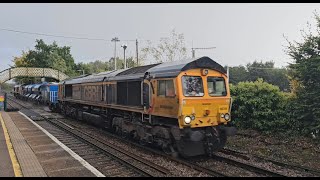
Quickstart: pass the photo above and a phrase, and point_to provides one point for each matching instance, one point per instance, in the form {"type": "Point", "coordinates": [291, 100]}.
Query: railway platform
{"type": "Point", "coordinates": [27, 150]}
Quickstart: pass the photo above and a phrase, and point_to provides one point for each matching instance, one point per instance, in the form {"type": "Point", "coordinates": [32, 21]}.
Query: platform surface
{"type": "Point", "coordinates": [6, 168]}
{"type": "Point", "coordinates": [36, 153]}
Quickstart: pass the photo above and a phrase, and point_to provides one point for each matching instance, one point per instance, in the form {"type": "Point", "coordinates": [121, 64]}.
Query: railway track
{"type": "Point", "coordinates": [246, 166]}
{"type": "Point", "coordinates": [195, 164]}
{"type": "Point", "coordinates": [81, 133]}
{"type": "Point", "coordinates": [103, 156]}
{"type": "Point", "coordinates": [191, 165]}
{"type": "Point", "coordinates": [245, 156]}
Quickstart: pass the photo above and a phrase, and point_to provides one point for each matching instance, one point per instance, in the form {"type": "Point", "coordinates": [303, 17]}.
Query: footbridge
{"type": "Point", "coordinates": [11, 73]}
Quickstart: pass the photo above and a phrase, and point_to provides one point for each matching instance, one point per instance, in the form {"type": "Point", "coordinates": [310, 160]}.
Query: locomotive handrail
{"type": "Point", "coordinates": [11, 73]}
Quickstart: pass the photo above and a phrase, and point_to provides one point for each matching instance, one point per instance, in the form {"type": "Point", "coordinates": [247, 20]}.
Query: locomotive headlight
{"type": "Point", "coordinates": [187, 120]}
{"type": "Point", "coordinates": [227, 116]}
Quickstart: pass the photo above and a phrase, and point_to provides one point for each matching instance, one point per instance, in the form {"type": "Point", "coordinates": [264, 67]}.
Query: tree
{"type": "Point", "coordinates": [20, 61]}
{"type": "Point", "coordinates": [256, 70]}
{"type": "Point", "coordinates": [47, 56]}
{"type": "Point", "coordinates": [6, 87]}
{"type": "Point", "coordinates": [305, 79]}
{"type": "Point", "coordinates": [168, 50]}
{"type": "Point", "coordinates": [238, 74]}
{"type": "Point", "coordinates": [270, 74]}
{"type": "Point", "coordinates": [100, 66]}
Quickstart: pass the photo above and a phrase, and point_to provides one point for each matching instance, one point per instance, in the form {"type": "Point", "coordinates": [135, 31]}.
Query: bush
{"type": "Point", "coordinates": [260, 106]}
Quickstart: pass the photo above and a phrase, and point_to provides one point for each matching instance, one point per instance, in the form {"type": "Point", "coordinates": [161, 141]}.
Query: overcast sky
{"type": "Point", "coordinates": [241, 33]}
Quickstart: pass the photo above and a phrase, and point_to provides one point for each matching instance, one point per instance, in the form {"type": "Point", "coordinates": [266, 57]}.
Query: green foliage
{"type": "Point", "coordinates": [259, 105]}
{"type": "Point", "coordinates": [100, 66]}
{"type": "Point", "coordinates": [238, 74]}
{"type": "Point", "coordinates": [266, 71]}
{"type": "Point", "coordinates": [46, 56]}
{"type": "Point", "coordinates": [6, 87]}
{"type": "Point", "coordinates": [305, 70]}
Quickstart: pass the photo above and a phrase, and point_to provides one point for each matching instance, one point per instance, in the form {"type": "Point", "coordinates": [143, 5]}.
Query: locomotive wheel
{"type": "Point", "coordinates": [134, 135]}
{"type": "Point", "coordinates": [125, 134]}
{"type": "Point", "coordinates": [166, 149]}
{"type": "Point", "coordinates": [142, 142]}
{"type": "Point", "coordinates": [215, 140]}
{"type": "Point", "coordinates": [169, 150]}
{"type": "Point", "coordinates": [118, 131]}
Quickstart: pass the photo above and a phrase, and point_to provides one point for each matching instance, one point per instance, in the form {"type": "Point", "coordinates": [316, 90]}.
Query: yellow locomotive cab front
{"type": "Point", "coordinates": [204, 111]}
{"type": "Point", "coordinates": [204, 98]}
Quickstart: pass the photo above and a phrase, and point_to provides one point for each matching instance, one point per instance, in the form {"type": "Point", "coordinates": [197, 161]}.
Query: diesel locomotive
{"type": "Point", "coordinates": [182, 107]}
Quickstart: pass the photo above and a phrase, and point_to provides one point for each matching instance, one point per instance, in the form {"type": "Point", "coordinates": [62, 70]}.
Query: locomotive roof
{"type": "Point", "coordinates": [168, 69]}
{"type": "Point", "coordinates": [39, 85]}
{"type": "Point", "coordinates": [93, 77]}
{"type": "Point", "coordinates": [132, 73]}
{"type": "Point", "coordinates": [172, 69]}
{"type": "Point", "coordinates": [30, 86]}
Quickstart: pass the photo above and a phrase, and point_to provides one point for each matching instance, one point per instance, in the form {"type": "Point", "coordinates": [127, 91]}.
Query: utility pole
{"type": "Point", "coordinates": [115, 40]}
{"type": "Point", "coordinates": [137, 52]}
{"type": "Point", "coordinates": [228, 75]}
{"type": "Point", "coordinates": [194, 52]}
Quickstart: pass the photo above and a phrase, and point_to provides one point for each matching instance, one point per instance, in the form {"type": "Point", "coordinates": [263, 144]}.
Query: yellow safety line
{"type": "Point", "coordinates": [15, 163]}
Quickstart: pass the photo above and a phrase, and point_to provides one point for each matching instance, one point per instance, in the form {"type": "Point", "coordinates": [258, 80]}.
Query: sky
{"type": "Point", "coordinates": [241, 33]}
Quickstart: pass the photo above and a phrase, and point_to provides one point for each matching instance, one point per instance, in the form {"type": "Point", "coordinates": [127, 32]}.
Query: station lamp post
{"type": "Point", "coordinates": [115, 40]}
{"type": "Point", "coordinates": [124, 54]}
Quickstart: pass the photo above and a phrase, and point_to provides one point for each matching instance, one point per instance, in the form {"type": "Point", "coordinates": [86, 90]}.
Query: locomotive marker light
{"type": "Point", "coordinates": [227, 116]}
{"type": "Point", "coordinates": [187, 120]}
{"type": "Point", "coordinates": [204, 72]}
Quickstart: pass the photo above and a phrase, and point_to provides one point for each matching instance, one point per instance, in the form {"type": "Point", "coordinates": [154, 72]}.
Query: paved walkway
{"type": "Point", "coordinates": [28, 161]}
{"type": "Point", "coordinates": [36, 153]}
{"type": "Point", "coordinates": [6, 168]}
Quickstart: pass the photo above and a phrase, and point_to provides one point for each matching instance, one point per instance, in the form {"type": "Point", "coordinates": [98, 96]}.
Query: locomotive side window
{"type": "Point", "coordinates": [161, 88]}
{"type": "Point", "coordinates": [216, 86]}
{"type": "Point", "coordinates": [170, 89]}
{"type": "Point", "coordinates": [192, 86]}
{"type": "Point", "coordinates": [166, 88]}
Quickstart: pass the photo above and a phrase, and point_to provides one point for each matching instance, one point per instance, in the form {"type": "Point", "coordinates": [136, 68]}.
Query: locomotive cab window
{"type": "Point", "coordinates": [166, 88]}
{"type": "Point", "coordinates": [216, 86]}
{"type": "Point", "coordinates": [192, 86]}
